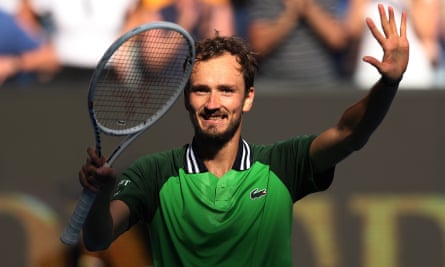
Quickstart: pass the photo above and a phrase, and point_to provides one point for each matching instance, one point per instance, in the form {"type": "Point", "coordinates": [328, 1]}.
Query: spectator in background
{"type": "Point", "coordinates": [422, 29]}
{"type": "Point", "coordinates": [216, 15]}
{"type": "Point", "coordinates": [24, 58]}
{"type": "Point", "coordinates": [24, 17]}
{"type": "Point", "coordinates": [81, 31]}
{"type": "Point", "coordinates": [298, 40]}
{"type": "Point", "coordinates": [199, 17]}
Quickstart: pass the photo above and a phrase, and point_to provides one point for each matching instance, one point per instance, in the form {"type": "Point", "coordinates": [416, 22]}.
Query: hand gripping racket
{"type": "Point", "coordinates": [135, 83]}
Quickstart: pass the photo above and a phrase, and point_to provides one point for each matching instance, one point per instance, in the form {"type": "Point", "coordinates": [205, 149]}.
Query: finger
{"type": "Point", "coordinates": [86, 182]}
{"type": "Point", "coordinates": [92, 154]}
{"type": "Point", "coordinates": [375, 31]}
{"type": "Point", "coordinates": [105, 171]}
{"type": "Point", "coordinates": [392, 27]}
{"type": "Point", "coordinates": [383, 18]}
{"type": "Point", "coordinates": [373, 61]}
{"type": "Point", "coordinates": [403, 24]}
{"type": "Point", "coordinates": [94, 157]}
{"type": "Point", "coordinates": [93, 184]}
{"type": "Point", "coordinates": [82, 178]}
{"type": "Point", "coordinates": [89, 168]}
{"type": "Point", "coordinates": [91, 176]}
{"type": "Point", "coordinates": [102, 183]}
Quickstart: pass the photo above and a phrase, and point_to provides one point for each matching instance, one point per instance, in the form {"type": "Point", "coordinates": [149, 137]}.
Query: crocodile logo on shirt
{"type": "Point", "coordinates": [256, 193]}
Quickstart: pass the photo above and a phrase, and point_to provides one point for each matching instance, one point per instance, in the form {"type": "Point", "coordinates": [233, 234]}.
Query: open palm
{"type": "Point", "coordinates": [394, 43]}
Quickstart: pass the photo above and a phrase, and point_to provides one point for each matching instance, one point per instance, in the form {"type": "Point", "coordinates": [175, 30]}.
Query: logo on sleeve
{"type": "Point", "coordinates": [256, 193]}
{"type": "Point", "coordinates": [120, 186]}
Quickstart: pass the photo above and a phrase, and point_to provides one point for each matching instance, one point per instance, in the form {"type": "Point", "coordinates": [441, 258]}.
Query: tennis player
{"type": "Point", "coordinates": [221, 201]}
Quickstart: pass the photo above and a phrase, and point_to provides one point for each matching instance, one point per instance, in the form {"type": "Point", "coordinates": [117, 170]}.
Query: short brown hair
{"type": "Point", "coordinates": [213, 47]}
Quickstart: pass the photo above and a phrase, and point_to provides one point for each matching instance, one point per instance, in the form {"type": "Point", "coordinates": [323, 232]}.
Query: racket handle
{"type": "Point", "coordinates": [71, 233]}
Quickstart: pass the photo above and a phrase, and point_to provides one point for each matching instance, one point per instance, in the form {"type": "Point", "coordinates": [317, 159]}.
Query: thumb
{"type": "Point", "coordinates": [373, 61]}
{"type": "Point", "coordinates": [106, 170]}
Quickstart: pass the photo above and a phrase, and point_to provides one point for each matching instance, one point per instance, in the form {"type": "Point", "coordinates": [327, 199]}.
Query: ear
{"type": "Point", "coordinates": [248, 101]}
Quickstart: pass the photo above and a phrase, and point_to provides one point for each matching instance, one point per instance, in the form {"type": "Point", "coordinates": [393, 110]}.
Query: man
{"type": "Point", "coordinates": [221, 201]}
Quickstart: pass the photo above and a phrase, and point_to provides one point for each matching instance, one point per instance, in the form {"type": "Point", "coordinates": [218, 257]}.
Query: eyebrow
{"type": "Point", "coordinates": [199, 87]}
{"type": "Point", "coordinates": [219, 87]}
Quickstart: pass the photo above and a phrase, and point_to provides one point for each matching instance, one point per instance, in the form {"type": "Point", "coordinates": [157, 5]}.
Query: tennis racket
{"type": "Point", "coordinates": [138, 79]}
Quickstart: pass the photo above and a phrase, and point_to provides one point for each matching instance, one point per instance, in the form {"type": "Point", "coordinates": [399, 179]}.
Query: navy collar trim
{"type": "Point", "coordinates": [243, 161]}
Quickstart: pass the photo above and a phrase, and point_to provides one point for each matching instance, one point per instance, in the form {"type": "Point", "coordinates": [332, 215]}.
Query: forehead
{"type": "Point", "coordinates": [220, 66]}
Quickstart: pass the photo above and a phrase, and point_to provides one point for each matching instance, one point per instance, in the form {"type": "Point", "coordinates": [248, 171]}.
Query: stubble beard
{"type": "Point", "coordinates": [212, 137]}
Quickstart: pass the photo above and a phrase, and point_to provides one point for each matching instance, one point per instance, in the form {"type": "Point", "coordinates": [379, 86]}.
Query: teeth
{"type": "Point", "coordinates": [213, 117]}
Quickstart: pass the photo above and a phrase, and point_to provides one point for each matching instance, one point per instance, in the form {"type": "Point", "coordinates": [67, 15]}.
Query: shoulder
{"type": "Point", "coordinates": [172, 156]}
{"type": "Point", "coordinates": [155, 168]}
{"type": "Point", "coordinates": [285, 153]}
{"type": "Point", "coordinates": [160, 163]}
{"type": "Point", "coordinates": [295, 143]}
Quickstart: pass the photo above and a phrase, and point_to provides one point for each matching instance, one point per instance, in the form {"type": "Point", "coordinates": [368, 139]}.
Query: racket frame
{"type": "Point", "coordinates": [71, 234]}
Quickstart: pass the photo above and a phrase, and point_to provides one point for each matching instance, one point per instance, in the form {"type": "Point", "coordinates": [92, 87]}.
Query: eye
{"type": "Point", "coordinates": [199, 89]}
{"type": "Point", "coordinates": [226, 90]}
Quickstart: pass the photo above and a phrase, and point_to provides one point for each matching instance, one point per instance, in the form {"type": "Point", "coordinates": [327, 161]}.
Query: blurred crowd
{"type": "Point", "coordinates": [312, 43]}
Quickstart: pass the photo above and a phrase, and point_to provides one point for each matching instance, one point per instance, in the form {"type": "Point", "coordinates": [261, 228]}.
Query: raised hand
{"type": "Point", "coordinates": [394, 43]}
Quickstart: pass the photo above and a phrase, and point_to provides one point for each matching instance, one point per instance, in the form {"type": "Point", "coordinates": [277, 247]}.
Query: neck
{"type": "Point", "coordinates": [218, 158]}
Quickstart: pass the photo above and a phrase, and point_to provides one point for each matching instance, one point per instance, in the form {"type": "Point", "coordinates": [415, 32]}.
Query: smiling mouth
{"type": "Point", "coordinates": [213, 116]}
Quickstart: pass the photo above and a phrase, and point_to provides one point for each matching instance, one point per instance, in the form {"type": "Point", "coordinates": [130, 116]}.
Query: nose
{"type": "Point", "coordinates": [213, 101]}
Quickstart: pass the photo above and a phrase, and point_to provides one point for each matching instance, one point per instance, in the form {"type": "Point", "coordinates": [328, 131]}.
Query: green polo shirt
{"type": "Point", "coordinates": [243, 218]}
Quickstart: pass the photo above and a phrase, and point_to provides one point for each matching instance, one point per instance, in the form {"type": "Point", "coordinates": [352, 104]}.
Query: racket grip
{"type": "Point", "coordinates": [71, 233]}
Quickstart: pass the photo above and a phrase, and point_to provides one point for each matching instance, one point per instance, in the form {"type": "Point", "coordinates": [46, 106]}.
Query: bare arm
{"type": "Point", "coordinates": [41, 61]}
{"type": "Point", "coordinates": [327, 26]}
{"type": "Point", "coordinates": [107, 219]}
{"type": "Point", "coordinates": [353, 20]}
{"type": "Point", "coordinates": [223, 20]}
{"type": "Point", "coordinates": [265, 35]}
{"type": "Point", "coordinates": [360, 120]}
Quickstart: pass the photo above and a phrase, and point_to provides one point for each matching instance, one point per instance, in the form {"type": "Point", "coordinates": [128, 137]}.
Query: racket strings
{"type": "Point", "coordinates": [142, 76]}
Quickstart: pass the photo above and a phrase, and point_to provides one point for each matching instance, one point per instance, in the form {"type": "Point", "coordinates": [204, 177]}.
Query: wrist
{"type": "Point", "coordinates": [391, 82]}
